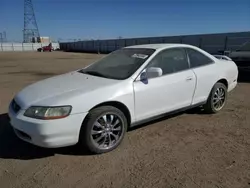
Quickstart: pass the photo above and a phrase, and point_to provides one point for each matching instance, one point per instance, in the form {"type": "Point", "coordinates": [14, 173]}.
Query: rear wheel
{"type": "Point", "coordinates": [217, 98]}
{"type": "Point", "coordinates": [103, 130]}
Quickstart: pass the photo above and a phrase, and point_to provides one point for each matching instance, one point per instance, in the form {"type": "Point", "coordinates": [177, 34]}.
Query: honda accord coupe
{"type": "Point", "coordinates": [95, 105]}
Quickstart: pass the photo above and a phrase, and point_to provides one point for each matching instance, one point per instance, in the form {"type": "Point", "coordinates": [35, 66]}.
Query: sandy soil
{"type": "Point", "coordinates": [186, 150]}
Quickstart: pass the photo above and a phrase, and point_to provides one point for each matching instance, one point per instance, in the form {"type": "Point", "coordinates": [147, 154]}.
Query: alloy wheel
{"type": "Point", "coordinates": [107, 130]}
{"type": "Point", "coordinates": [219, 98]}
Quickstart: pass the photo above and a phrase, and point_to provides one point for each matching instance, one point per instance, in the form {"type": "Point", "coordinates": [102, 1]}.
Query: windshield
{"type": "Point", "coordinates": [119, 64]}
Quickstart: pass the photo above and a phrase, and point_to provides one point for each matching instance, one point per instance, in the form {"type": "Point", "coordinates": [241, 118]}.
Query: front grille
{"type": "Point", "coordinates": [15, 106]}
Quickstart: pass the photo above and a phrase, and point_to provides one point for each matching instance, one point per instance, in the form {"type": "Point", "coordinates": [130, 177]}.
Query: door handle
{"type": "Point", "coordinates": [189, 78]}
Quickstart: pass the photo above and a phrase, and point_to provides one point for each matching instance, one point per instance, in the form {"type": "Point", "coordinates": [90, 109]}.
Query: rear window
{"type": "Point", "coordinates": [197, 59]}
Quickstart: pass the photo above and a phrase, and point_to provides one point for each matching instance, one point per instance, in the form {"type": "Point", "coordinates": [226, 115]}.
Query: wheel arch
{"type": "Point", "coordinates": [223, 81]}
{"type": "Point", "coordinates": [118, 105]}
{"type": "Point", "coordinates": [208, 107]}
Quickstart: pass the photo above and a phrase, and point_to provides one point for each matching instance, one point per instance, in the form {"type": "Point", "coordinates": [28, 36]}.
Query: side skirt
{"type": "Point", "coordinates": [166, 114]}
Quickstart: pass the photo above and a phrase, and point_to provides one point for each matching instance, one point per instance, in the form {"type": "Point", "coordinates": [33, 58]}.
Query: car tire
{"type": "Point", "coordinates": [95, 134]}
{"type": "Point", "coordinates": [217, 99]}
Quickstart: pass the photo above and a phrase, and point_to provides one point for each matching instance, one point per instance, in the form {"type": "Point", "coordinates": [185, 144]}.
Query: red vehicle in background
{"type": "Point", "coordinates": [48, 48]}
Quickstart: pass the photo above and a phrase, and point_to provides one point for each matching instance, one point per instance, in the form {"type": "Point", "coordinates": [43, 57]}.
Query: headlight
{"type": "Point", "coordinates": [40, 112]}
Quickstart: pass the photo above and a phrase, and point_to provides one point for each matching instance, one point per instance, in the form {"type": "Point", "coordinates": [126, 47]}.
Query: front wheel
{"type": "Point", "coordinates": [103, 129]}
{"type": "Point", "coordinates": [217, 98]}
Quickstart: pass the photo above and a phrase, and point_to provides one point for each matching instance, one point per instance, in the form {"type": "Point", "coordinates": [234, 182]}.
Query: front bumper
{"type": "Point", "coordinates": [47, 133]}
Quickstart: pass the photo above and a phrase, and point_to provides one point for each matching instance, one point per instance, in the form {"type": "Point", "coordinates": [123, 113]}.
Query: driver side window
{"type": "Point", "coordinates": [170, 61]}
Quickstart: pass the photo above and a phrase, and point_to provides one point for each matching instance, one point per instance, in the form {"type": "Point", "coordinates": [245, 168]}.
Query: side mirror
{"type": "Point", "coordinates": [153, 72]}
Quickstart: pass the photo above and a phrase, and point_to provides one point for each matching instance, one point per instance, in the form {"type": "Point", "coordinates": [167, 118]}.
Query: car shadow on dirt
{"type": "Point", "coordinates": [11, 147]}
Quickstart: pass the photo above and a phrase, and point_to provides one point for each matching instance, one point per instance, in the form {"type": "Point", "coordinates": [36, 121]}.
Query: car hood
{"type": "Point", "coordinates": [60, 85]}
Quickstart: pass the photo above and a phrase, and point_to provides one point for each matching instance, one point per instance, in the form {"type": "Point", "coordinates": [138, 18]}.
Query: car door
{"type": "Point", "coordinates": [206, 73]}
{"type": "Point", "coordinates": [171, 91]}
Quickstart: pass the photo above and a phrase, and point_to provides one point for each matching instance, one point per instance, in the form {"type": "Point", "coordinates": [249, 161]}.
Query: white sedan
{"type": "Point", "coordinates": [94, 106]}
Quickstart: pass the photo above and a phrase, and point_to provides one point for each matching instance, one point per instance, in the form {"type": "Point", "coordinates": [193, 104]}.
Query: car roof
{"type": "Point", "coordinates": [160, 46]}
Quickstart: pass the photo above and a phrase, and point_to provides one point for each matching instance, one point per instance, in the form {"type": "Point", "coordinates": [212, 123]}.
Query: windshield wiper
{"type": "Point", "coordinates": [94, 73]}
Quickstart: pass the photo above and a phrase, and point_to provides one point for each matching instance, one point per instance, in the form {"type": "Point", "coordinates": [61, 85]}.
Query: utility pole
{"type": "Point", "coordinates": [30, 30]}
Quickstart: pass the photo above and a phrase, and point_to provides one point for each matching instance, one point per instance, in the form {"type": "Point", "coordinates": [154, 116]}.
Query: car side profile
{"type": "Point", "coordinates": [95, 105]}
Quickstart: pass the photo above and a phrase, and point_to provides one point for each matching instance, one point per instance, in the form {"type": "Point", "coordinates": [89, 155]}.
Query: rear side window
{"type": "Point", "coordinates": [197, 59]}
{"type": "Point", "coordinates": [170, 60]}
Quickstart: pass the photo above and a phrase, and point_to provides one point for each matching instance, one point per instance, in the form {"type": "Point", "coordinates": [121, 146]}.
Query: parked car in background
{"type": "Point", "coordinates": [48, 48]}
{"type": "Point", "coordinates": [223, 57]}
{"type": "Point", "coordinates": [241, 56]}
{"type": "Point", "coordinates": [94, 106]}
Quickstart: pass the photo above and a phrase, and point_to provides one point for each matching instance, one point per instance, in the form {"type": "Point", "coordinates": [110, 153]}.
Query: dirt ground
{"type": "Point", "coordinates": [186, 150]}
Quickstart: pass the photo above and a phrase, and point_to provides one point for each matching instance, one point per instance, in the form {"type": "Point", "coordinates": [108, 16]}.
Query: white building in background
{"type": "Point", "coordinates": [45, 40]}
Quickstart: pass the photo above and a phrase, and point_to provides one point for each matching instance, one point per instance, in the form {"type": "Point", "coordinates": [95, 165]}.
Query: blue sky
{"type": "Point", "coordinates": [92, 19]}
